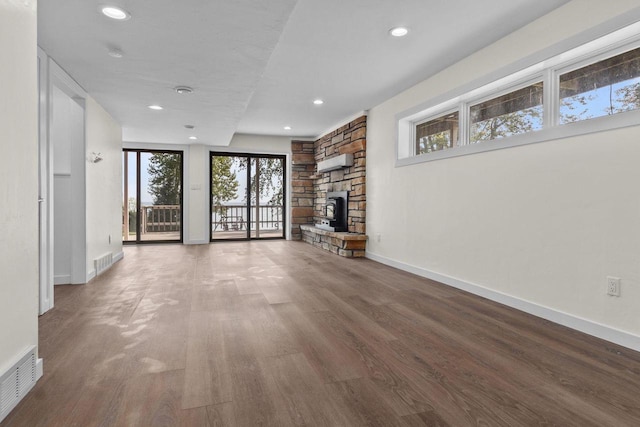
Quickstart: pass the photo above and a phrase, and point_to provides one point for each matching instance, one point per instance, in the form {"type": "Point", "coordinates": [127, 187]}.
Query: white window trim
{"type": "Point", "coordinates": [584, 61]}
{"type": "Point", "coordinates": [531, 80]}
{"type": "Point", "coordinates": [607, 40]}
{"type": "Point", "coordinates": [426, 119]}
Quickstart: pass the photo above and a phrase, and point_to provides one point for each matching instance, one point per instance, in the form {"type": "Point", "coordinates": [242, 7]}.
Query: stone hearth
{"type": "Point", "coordinates": [310, 188]}
{"type": "Point", "coordinates": [350, 245]}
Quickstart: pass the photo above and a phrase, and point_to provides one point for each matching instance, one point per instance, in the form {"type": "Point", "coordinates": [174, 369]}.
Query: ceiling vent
{"type": "Point", "coordinates": [183, 89]}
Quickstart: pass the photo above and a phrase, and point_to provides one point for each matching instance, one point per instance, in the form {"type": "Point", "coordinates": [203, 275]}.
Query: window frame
{"type": "Point", "coordinates": [618, 36]}
{"type": "Point", "coordinates": [583, 62]}
{"type": "Point", "coordinates": [521, 84]}
{"type": "Point", "coordinates": [249, 230]}
{"type": "Point", "coordinates": [427, 119]}
{"type": "Point", "coordinates": [138, 162]}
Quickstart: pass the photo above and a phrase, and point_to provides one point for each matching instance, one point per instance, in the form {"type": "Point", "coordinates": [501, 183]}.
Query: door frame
{"type": "Point", "coordinates": [285, 193]}
{"type": "Point", "coordinates": [51, 74]}
{"type": "Point", "coordinates": [59, 79]}
{"type": "Point", "coordinates": [138, 151]}
{"type": "Point", "coordinates": [45, 189]}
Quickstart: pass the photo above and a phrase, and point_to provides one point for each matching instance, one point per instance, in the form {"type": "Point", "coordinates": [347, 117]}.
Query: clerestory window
{"type": "Point", "coordinates": [592, 87]}
{"type": "Point", "coordinates": [604, 88]}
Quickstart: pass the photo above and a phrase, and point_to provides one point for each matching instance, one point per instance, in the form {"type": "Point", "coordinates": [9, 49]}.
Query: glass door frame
{"type": "Point", "coordinates": [138, 152]}
{"type": "Point", "coordinates": [248, 207]}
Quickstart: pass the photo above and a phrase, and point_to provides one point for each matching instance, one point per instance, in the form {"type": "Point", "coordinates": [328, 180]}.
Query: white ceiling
{"type": "Point", "coordinates": [257, 65]}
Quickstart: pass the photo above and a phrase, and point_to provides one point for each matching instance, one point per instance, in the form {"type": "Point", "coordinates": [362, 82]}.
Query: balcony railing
{"type": "Point", "coordinates": [160, 218]}
{"type": "Point", "coordinates": [225, 218]}
{"type": "Point", "coordinates": [234, 217]}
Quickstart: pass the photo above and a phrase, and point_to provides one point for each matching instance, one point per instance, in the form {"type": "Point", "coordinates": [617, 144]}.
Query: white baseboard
{"type": "Point", "coordinates": [196, 242]}
{"type": "Point", "coordinates": [118, 257]}
{"type": "Point", "coordinates": [62, 280]}
{"type": "Point", "coordinates": [91, 275]}
{"type": "Point", "coordinates": [595, 329]}
{"type": "Point", "coordinates": [39, 369]}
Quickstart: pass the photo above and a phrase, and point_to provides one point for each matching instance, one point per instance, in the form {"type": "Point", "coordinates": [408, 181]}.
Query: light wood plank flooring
{"type": "Point", "coordinates": [279, 333]}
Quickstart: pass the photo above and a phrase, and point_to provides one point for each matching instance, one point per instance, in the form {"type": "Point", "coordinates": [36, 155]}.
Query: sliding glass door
{"type": "Point", "coordinates": [152, 203]}
{"type": "Point", "coordinates": [267, 197]}
{"type": "Point", "coordinates": [247, 196]}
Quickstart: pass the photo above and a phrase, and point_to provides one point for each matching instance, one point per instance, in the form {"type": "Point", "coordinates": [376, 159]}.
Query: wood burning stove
{"type": "Point", "coordinates": [335, 211]}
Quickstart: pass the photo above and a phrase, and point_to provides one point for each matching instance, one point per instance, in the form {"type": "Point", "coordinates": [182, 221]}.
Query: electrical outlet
{"type": "Point", "coordinates": [378, 237]}
{"type": "Point", "coordinates": [109, 238]}
{"type": "Point", "coordinates": [613, 286]}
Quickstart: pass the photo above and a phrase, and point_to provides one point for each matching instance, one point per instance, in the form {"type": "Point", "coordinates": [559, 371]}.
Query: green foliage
{"type": "Point", "coordinates": [628, 97]}
{"type": "Point", "coordinates": [575, 108]}
{"type": "Point", "coordinates": [514, 123]}
{"type": "Point", "coordinates": [132, 212]}
{"type": "Point", "coordinates": [582, 106]}
{"type": "Point", "coordinates": [165, 178]}
{"type": "Point", "coordinates": [133, 220]}
{"type": "Point", "coordinates": [270, 178]}
{"type": "Point", "coordinates": [435, 142]}
{"type": "Point", "coordinates": [224, 183]}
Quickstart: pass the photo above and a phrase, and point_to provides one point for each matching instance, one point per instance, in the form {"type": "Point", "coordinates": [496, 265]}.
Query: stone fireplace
{"type": "Point", "coordinates": [313, 188]}
{"type": "Point", "coordinates": [335, 212]}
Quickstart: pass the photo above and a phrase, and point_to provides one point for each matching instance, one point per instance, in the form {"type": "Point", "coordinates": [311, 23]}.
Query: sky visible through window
{"type": "Point", "coordinates": [603, 101]}
{"type": "Point", "coordinates": [146, 199]}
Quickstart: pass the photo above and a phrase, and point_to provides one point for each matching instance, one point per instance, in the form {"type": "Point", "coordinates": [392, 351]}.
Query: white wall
{"type": "Point", "coordinates": [197, 178]}
{"type": "Point", "coordinates": [87, 196]}
{"type": "Point", "coordinates": [196, 200]}
{"type": "Point", "coordinates": [539, 226]}
{"type": "Point", "coordinates": [258, 144]}
{"type": "Point", "coordinates": [18, 175]}
{"type": "Point", "coordinates": [103, 185]}
{"type": "Point", "coordinates": [67, 141]}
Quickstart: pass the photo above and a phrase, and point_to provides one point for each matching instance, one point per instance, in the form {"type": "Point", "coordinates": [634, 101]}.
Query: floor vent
{"type": "Point", "coordinates": [17, 381]}
{"type": "Point", "coordinates": [103, 263]}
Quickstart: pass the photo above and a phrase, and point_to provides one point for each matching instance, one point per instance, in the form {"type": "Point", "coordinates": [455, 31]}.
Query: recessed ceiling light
{"type": "Point", "coordinates": [318, 102]}
{"type": "Point", "coordinates": [155, 107]}
{"type": "Point", "coordinates": [287, 128]}
{"type": "Point", "coordinates": [189, 126]}
{"type": "Point", "coordinates": [115, 12]}
{"type": "Point", "coordinates": [115, 53]}
{"type": "Point", "coordinates": [399, 31]}
{"type": "Point", "coordinates": [183, 89]}
{"type": "Point", "coordinates": [193, 137]}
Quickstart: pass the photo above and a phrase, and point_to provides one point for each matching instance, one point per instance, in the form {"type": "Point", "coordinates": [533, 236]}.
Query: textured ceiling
{"type": "Point", "coordinates": [257, 65]}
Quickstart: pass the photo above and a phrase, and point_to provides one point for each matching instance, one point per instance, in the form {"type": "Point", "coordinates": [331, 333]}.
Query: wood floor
{"type": "Point", "coordinates": [280, 333]}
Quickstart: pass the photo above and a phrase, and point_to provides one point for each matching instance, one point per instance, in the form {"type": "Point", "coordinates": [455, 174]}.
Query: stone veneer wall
{"type": "Point", "coordinates": [303, 168]}
{"type": "Point", "coordinates": [309, 188]}
{"type": "Point", "coordinates": [350, 138]}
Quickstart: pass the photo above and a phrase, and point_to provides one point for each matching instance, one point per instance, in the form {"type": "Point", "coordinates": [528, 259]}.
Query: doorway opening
{"type": "Point", "coordinates": [152, 196]}
{"type": "Point", "coordinates": [69, 201]}
{"type": "Point", "coordinates": [248, 196]}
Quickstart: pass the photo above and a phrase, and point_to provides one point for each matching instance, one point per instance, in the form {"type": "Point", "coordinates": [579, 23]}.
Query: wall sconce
{"type": "Point", "coordinates": [95, 157]}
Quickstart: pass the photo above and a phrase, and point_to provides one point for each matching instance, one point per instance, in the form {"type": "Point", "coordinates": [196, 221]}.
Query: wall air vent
{"type": "Point", "coordinates": [17, 381]}
{"type": "Point", "coordinates": [334, 163]}
{"type": "Point", "coordinates": [103, 263]}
